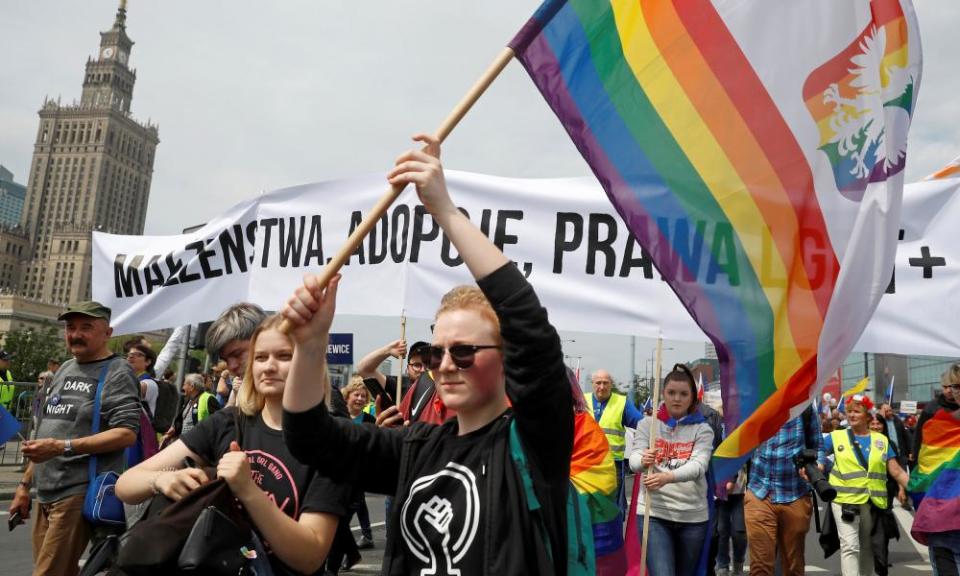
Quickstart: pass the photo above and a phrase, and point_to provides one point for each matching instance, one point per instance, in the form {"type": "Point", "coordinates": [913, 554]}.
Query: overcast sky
{"type": "Point", "coordinates": [253, 96]}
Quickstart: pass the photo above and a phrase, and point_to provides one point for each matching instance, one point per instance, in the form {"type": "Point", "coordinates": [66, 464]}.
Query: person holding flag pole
{"type": "Point", "coordinates": [461, 505]}
{"type": "Point", "coordinates": [674, 456]}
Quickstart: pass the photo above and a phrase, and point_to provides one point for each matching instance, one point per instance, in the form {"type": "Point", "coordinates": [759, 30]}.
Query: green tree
{"type": "Point", "coordinates": [31, 349]}
{"type": "Point", "coordinates": [641, 391]}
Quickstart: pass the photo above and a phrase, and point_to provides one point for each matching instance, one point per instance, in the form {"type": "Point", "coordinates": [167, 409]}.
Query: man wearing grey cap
{"type": "Point", "coordinates": [65, 440]}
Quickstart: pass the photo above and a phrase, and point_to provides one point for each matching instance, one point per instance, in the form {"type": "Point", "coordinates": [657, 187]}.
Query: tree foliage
{"type": "Point", "coordinates": [641, 391]}
{"type": "Point", "coordinates": [31, 349]}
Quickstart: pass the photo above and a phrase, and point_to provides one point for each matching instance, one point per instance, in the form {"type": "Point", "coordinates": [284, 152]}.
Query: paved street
{"type": "Point", "coordinates": [908, 559]}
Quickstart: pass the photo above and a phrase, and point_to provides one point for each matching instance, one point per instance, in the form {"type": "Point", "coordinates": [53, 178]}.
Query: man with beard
{"type": "Point", "coordinates": [59, 454]}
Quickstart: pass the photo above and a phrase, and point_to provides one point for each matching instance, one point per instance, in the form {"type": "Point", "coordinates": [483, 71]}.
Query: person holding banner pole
{"type": "Point", "coordinates": [498, 362]}
{"type": "Point", "coordinates": [367, 367]}
{"type": "Point", "coordinates": [674, 464]}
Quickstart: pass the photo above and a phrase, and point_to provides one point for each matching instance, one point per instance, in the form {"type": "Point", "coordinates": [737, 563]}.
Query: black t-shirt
{"type": "Point", "coordinates": [441, 520]}
{"type": "Point", "coordinates": [292, 486]}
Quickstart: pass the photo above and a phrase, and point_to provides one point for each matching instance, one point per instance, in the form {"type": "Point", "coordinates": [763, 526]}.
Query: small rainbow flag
{"type": "Point", "coordinates": [935, 481]}
{"type": "Point", "coordinates": [693, 117]}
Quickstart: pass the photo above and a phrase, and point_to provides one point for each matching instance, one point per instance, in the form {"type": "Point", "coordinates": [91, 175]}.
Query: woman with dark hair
{"type": "Point", "coordinates": [142, 358]}
{"type": "Point", "coordinates": [675, 478]}
{"type": "Point", "coordinates": [884, 524]}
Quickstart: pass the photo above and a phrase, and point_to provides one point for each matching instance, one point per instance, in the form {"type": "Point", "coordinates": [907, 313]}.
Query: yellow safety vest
{"type": "Point", "coordinates": [854, 484]}
{"type": "Point", "coordinates": [203, 406]}
{"type": "Point", "coordinates": [7, 390]}
{"type": "Point", "coordinates": [611, 422]}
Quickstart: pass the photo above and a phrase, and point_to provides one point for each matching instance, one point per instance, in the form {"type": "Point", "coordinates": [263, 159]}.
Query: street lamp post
{"type": "Point", "coordinates": [653, 367]}
{"type": "Point", "coordinates": [570, 356]}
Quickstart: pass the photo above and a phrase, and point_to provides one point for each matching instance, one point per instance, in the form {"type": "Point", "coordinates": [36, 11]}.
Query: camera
{"type": "Point", "coordinates": [807, 461]}
{"type": "Point", "coordinates": [848, 512]}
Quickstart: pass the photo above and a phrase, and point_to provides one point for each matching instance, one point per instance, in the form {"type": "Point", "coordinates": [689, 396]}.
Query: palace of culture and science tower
{"type": "Point", "coordinates": [91, 170]}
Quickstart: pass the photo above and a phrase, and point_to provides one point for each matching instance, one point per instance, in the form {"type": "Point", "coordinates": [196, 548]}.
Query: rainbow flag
{"type": "Point", "coordinates": [935, 481]}
{"type": "Point", "coordinates": [592, 471]}
{"type": "Point", "coordinates": [694, 117]}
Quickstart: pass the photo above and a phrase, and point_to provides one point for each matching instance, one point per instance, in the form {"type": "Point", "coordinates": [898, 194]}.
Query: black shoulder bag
{"type": "Point", "coordinates": [203, 532]}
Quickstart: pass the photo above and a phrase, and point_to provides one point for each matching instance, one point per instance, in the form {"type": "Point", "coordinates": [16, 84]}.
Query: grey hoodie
{"type": "Point", "coordinates": [685, 451]}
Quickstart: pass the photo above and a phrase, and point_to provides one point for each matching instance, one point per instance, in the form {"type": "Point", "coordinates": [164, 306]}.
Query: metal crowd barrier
{"type": "Point", "coordinates": [23, 409]}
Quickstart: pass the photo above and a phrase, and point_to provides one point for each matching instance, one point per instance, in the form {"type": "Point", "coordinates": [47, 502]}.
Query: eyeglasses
{"type": "Point", "coordinates": [135, 355]}
{"type": "Point", "coordinates": [415, 365]}
{"type": "Point", "coordinates": [461, 354]}
{"type": "Point", "coordinates": [954, 387]}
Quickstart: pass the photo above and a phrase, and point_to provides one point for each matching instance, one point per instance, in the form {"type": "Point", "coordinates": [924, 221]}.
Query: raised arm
{"type": "Point", "coordinates": [533, 362]}
{"type": "Point", "coordinates": [423, 169]}
{"type": "Point", "coordinates": [367, 367]}
{"type": "Point", "coordinates": [365, 455]}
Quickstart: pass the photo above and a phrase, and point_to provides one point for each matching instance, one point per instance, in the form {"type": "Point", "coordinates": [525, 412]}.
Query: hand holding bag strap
{"type": "Point", "coordinates": [95, 423]}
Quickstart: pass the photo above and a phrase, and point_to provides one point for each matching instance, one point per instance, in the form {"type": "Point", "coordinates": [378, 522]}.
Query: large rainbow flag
{"type": "Point", "coordinates": [722, 132]}
{"type": "Point", "coordinates": [935, 481]}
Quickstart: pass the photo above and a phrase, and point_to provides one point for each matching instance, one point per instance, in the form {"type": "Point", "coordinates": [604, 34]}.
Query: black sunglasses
{"type": "Point", "coordinates": [461, 354]}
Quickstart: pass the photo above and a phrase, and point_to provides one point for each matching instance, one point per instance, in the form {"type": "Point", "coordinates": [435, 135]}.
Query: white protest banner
{"type": "Point", "coordinates": [562, 233]}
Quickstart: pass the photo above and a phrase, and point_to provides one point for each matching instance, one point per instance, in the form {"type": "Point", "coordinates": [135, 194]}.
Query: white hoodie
{"type": "Point", "coordinates": [685, 451]}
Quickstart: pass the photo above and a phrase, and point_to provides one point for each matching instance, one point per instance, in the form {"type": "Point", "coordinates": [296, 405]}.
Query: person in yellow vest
{"type": "Point", "coordinates": [862, 460]}
{"type": "Point", "coordinates": [614, 414]}
{"type": "Point", "coordinates": [198, 404]}
{"type": "Point", "coordinates": [7, 391]}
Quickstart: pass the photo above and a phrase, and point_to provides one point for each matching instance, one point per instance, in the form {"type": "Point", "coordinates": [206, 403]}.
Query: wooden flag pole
{"type": "Point", "coordinates": [360, 232]}
{"type": "Point", "coordinates": [403, 338]}
{"type": "Point", "coordinates": [654, 426]}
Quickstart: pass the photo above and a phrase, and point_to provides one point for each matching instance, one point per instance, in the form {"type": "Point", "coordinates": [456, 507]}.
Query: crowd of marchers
{"type": "Point", "coordinates": [483, 449]}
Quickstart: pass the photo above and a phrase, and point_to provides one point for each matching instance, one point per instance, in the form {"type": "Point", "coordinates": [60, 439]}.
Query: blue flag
{"type": "Point", "coordinates": [9, 426]}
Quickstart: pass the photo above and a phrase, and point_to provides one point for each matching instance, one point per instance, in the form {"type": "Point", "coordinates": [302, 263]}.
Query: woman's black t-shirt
{"type": "Point", "coordinates": [292, 486]}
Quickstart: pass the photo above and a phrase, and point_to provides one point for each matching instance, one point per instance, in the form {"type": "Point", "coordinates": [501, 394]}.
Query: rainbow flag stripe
{"type": "Point", "coordinates": [951, 170]}
{"type": "Point", "coordinates": [935, 482]}
{"type": "Point", "coordinates": [592, 470]}
{"type": "Point", "coordinates": [822, 91]}
{"type": "Point", "coordinates": [695, 155]}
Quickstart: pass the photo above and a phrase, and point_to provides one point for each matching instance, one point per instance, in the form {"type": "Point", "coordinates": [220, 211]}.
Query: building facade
{"type": "Point", "coordinates": [914, 378]}
{"type": "Point", "coordinates": [12, 196]}
{"type": "Point", "coordinates": [91, 170]}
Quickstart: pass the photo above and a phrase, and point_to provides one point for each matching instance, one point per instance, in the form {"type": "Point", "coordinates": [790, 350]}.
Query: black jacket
{"type": "Point", "coordinates": [903, 441]}
{"type": "Point", "coordinates": [387, 461]}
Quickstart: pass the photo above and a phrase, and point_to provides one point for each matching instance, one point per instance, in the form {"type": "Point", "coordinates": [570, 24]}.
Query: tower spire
{"type": "Point", "coordinates": [120, 23]}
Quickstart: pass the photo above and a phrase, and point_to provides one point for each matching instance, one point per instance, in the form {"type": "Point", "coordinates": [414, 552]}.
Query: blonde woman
{"type": "Point", "coordinates": [358, 397]}
{"type": "Point", "coordinates": [295, 511]}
